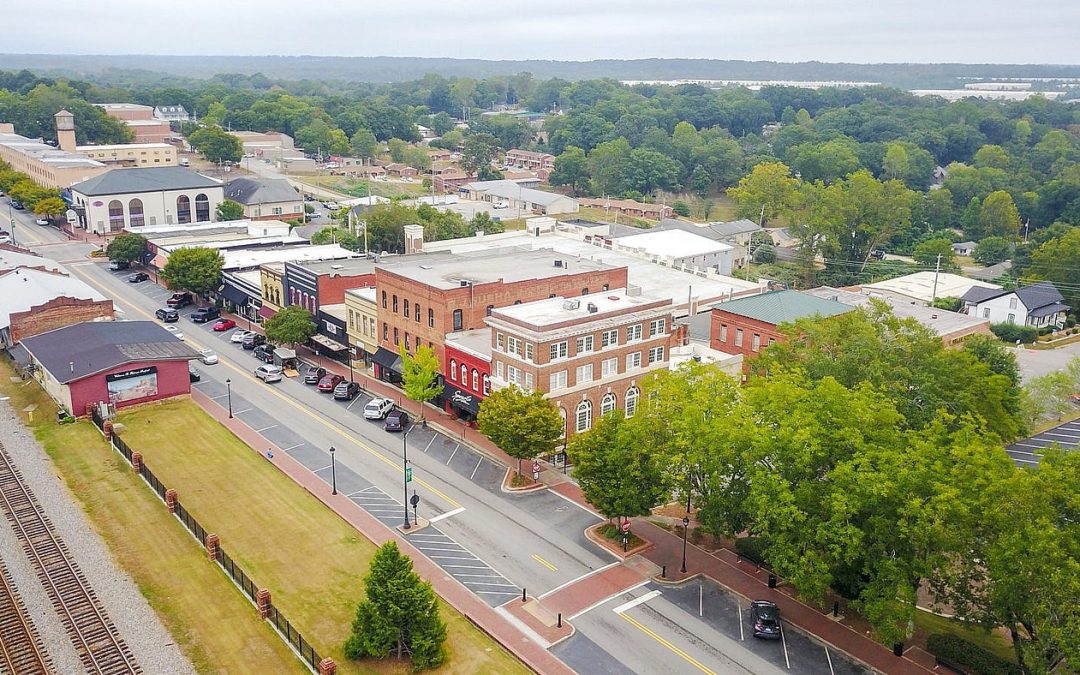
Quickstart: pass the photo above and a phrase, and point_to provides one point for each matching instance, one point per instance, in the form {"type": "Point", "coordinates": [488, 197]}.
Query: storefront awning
{"type": "Point", "coordinates": [461, 399]}
{"type": "Point", "coordinates": [327, 343]}
{"type": "Point", "coordinates": [235, 295]}
{"type": "Point", "coordinates": [387, 359]}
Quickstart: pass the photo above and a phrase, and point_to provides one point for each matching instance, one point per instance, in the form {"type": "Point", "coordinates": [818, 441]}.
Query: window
{"type": "Point", "coordinates": [498, 369]}
{"type": "Point", "coordinates": [475, 379]}
{"type": "Point", "coordinates": [500, 342]}
{"type": "Point", "coordinates": [585, 291]}
{"type": "Point", "coordinates": [583, 374]}
{"type": "Point", "coordinates": [723, 332]}
{"type": "Point", "coordinates": [986, 312]}
{"type": "Point", "coordinates": [405, 307]}
{"type": "Point", "coordinates": [631, 401]}
{"type": "Point", "coordinates": [1011, 319]}
{"type": "Point", "coordinates": [772, 341]}
{"type": "Point", "coordinates": [528, 351]}
{"type": "Point", "coordinates": [490, 309]}
{"type": "Point", "coordinates": [458, 322]}
{"type": "Point", "coordinates": [583, 417]}
{"type": "Point", "coordinates": [513, 344]}
{"type": "Point", "coordinates": [183, 209]}
{"type": "Point", "coordinates": [557, 380]}
{"type": "Point", "coordinates": [384, 299]}
{"type": "Point", "coordinates": [558, 350]}
{"type": "Point", "coordinates": [633, 360]}
{"type": "Point", "coordinates": [408, 348]}
{"type": "Point", "coordinates": [584, 344]}
{"type": "Point", "coordinates": [395, 304]}
{"type": "Point", "coordinates": [515, 375]}
{"type": "Point", "coordinates": [395, 335]}
{"type": "Point", "coordinates": [609, 367]}
{"type": "Point", "coordinates": [738, 337]}
{"type": "Point", "coordinates": [430, 317]}
{"type": "Point", "coordinates": [657, 326]}
{"type": "Point", "coordinates": [656, 354]}
{"type": "Point", "coordinates": [755, 343]}
{"type": "Point", "coordinates": [276, 211]}
{"type": "Point", "coordinates": [609, 338]}
{"type": "Point", "coordinates": [633, 332]}
{"type": "Point", "coordinates": [202, 208]}
{"type": "Point", "coordinates": [116, 215]}
{"type": "Point", "coordinates": [487, 384]}
{"type": "Point", "coordinates": [607, 404]}
{"type": "Point", "coordinates": [135, 212]}
{"type": "Point", "coordinates": [416, 313]}
{"type": "Point", "coordinates": [1012, 302]}
{"type": "Point", "coordinates": [530, 384]}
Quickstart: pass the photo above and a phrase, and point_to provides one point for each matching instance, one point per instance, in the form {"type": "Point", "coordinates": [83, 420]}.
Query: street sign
{"type": "Point", "coordinates": [415, 499]}
{"type": "Point", "coordinates": [536, 467]}
{"type": "Point", "coordinates": [408, 474]}
{"type": "Point", "coordinates": [626, 526]}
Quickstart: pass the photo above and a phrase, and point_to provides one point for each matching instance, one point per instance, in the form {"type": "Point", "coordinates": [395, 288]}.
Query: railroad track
{"type": "Point", "coordinates": [21, 651]}
{"type": "Point", "coordinates": [93, 634]}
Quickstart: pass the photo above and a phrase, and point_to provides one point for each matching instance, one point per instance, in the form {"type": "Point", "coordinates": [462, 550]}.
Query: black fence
{"type": "Point", "coordinates": [250, 588]}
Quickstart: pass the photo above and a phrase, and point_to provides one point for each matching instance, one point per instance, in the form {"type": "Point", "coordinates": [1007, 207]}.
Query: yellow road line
{"type": "Point", "coordinates": [545, 563]}
{"type": "Point", "coordinates": [363, 446]}
{"type": "Point", "coordinates": [686, 657]}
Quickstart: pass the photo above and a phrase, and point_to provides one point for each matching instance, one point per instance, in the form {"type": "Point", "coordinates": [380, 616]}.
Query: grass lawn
{"type": "Point", "coordinates": [212, 622]}
{"type": "Point", "coordinates": [991, 641]}
{"type": "Point", "coordinates": [352, 186]}
{"type": "Point", "coordinates": [285, 539]}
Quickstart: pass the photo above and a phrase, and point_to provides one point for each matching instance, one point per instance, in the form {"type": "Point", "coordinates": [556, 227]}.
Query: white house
{"type": "Point", "coordinates": [1037, 305]}
{"type": "Point", "coordinates": [266, 198]}
{"type": "Point", "coordinates": [964, 248]}
{"type": "Point", "coordinates": [154, 196]}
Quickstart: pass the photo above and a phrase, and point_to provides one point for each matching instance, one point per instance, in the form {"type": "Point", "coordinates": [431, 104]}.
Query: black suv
{"type": "Point", "coordinates": [313, 375]}
{"type": "Point", "coordinates": [204, 314]}
{"type": "Point", "coordinates": [397, 420]}
{"type": "Point", "coordinates": [167, 315]}
{"type": "Point", "coordinates": [253, 340]}
{"type": "Point", "coordinates": [264, 353]}
{"type": "Point", "coordinates": [179, 300]}
{"type": "Point", "coordinates": [346, 391]}
{"type": "Point", "coordinates": [766, 616]}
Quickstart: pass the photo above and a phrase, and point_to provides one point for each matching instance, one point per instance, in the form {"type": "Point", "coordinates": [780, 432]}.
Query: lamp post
{"type": "Point", "coordinates": [333, 472]}
{"type": "Point", "coordinates": [685, 527]}
{"type": "Point", "coordinates": [352, 353]}
{"type": "Point", "coordinates": [406, 474]}
{"type": "Point", "coordinates": [228, 386]}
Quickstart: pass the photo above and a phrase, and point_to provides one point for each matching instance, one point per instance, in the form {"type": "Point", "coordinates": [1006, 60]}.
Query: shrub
{"type": "Point", "coordinates": [1011, 332]}
{"type": "Point", "coordinates": [1070, 321]}
{"type": "Point", "coordinates": [957, 652]}
{"type": "Point", "coordinates": [1046, 330]}
{"type": "Point", "coordinates": [681, 208]}
{"type": "Point", "coordinates": [751, 548]}
{"type": "Point", "coordinates": [765, 254]}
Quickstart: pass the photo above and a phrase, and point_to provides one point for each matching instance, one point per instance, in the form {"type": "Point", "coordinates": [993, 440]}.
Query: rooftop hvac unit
{"type": "Point", "coordinates": [593, 309]}
{"type": "Point", "coordinates": [463, 283]}
{"type": "Point", "coordinates": [559, 263]}
{"type": "Point", "coordinates": [571, 305]}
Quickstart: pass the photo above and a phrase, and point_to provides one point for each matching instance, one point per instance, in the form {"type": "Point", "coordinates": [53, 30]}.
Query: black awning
{"type": "Point", "coordinates": [387, 359]}
{"type": "Point", "coordinates": [461, 399]}
{"type": "Point", "coordinates": [235, 295]}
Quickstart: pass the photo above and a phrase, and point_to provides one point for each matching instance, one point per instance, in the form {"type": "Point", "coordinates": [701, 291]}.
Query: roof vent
{"type": "Point", "coordinates": [337, 267]}
{"type": "Point", "coordinates": [571, 305]}
{"type": "Point", "coordinates": [559, 263]}
{"type": "Point", "coordinates": [463, 283]}
{"type": "Point", "coordinates": [933, 316]}
{"type": "Point", "coordinates": [425, 267]}
{"type": "Point", "coordinates": [593, 309]}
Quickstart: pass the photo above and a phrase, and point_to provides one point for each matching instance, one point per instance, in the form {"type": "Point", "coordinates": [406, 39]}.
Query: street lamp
{"type": "Point", "coordinates": [405, 473]}
{"type": "Point", "coordinates": [685, 527]}
{"type": "Point", "coordinates": [228, 386]}
{"type": "Point", "coordinates": [333, 472]}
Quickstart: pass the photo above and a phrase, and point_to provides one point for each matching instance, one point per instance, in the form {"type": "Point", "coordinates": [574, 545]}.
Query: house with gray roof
{"type": "Point", "coordinates": [123, 198]}
{"type": "Point", "coordinates": [266, 198]}
{"type": "Point", "coordinates": [518, 197]}
{"type": "Point", "coordinates": [1038, 305]}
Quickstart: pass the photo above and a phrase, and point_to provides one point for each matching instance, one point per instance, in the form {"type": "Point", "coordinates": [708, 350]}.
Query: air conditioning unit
{"type": "Point", "coordinates": [463, 283]}
{"type": "Point", "coordinates": [571, 305]}
{"type": "Point", "coordinates": [593, 309]}
{"type": "Point", "coordinates": [559, 263]}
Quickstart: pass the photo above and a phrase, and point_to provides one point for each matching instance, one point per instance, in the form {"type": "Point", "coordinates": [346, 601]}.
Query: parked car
{"type": "Point", "coordinates": [329, 381]}
{"type": "Point", "coordinates": [397, 420]}
{"type": "Point", "coordinates": [313, 375]}
{"type": "Point", "coordinates": [41, 221]}
{"type": "Point", "coordinates": [138, 277]}
{"type": "Point", "coordinates": [877, 254]}
{"type": "Point", "coordinates": [222, 325]}
{"type": "Point", "coordinates": [346, 391]}
{"type": "Point", "coordinates": [5, 237]}
{"type": "Point", "coordinates": [766, 616]}
{"type": "Point", "coordinates": [204, 314]}
{"type": "Point", "coordinates": [117, 265]}
{"type": "Point", "coordinates": [238, 335]}
{"type": "Point", "coordinates": [378, 408]}
{"type": "Point", "coordinates": [208, 356]}
{"type": "Point", "coordinates": [167, 315]}
{"type": "Point", "coordinates": [268, 373]}
{"type": "Point", "coordinates": [193, 375]}
{"type": "Point", "coordinates": [264, 352]}
{"type": "Point", "coordinates": [179, 300]}
{"type": "Point", "coordinates": [175, 332]}
{"type": "Point", "coordinates": [253, 340]}
{"type": "Point", "coordinates": [17, 205]}
{"type": "Point", "coordinates": [184, 161]}
{"type": "Point", "coordinates": [500, 205]}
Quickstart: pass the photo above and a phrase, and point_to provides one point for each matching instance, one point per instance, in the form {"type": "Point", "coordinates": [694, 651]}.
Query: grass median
{"type": "Point", "coordinates": [284, 538]}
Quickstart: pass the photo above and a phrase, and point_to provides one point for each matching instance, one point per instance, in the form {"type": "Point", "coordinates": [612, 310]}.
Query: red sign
{"type": "Point", "coordinates": [626, 526]}
{"type": "Point", "coordinates": [536, 467]}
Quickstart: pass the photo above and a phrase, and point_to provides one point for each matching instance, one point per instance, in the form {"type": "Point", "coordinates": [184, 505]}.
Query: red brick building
{"type": "Point", "coordinates": [57, 313]}
{"type": "Point", "coordinates": [421, 299]}
{"type": "Point", "coordinates": [467, 369]}
{"type": "Point", "coordinates": [34, 300]}
{"type": "Point", "coordinates": [748, 325]}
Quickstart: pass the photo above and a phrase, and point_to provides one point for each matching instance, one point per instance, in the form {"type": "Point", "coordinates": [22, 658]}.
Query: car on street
{"type": "Point", "coordinates": [222, 325]}
{"type": "Point", "coordinates": [396, 421]}
{"type": "Point", "coordinates": [208, 356]}
{"type": "Point", "coordinates": [179, 300]}
{"type": "Point", "coordinates": [314, 374]}
{"type": "Point", "coordinates": [117, 265]}
{"type": "Point", "coordinates": [238, 335]}
{"type": "Point", "coordinates": [378, 408]}
{"type": "Point", "coordinates": [268, 373]}
{"type": "Point", "coordinates": [175, 332]}
{"type": "Point", "coordinates": [346, 391]}
{"type": "Point", "coordinates": [264, 352]}
{"type": "Point", "coordinates": [138, 277]}
{"type": "Point", "coordinates": [204, 314]}
{"type": "Point", "coordinates": [329, 381]}
{"type": "Point", "coordinates": [766, 618]}
{"type": "Point", "coordinates": [253, 340]}
{"type": "Point", "coordinates": [41, 221]}
{"type": "Point", "coordinates": [167, 315]}
{"type": "Point", "coordinates": [5, 237]}
{"type": "Point", "coordinates": [193, 374]}
{"type": "Point", "coordinates": [17, 205]}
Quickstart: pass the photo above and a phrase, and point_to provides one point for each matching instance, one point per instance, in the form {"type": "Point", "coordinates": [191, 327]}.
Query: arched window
{"type": "Point", "coordinates": [583, 417]}
{"type": "Point", "coordinates": [183, 209]}
{"type": "Point", "coordinates": [607, 404]}
{"type": "Point", "coordinates": [631, 401]}
{"type": "Point", "coordinates": [453, 369]}
{"type": "Point", "coordinates": [135, 213]}
{"type": "Point", "coordinates": [116, 216]}
{"type": "Point", "coordinates": [475, 379]}
{"type": "Point", "coordinates": [202, 208]}
{"type": "Point", "coordinates": [487, 386]}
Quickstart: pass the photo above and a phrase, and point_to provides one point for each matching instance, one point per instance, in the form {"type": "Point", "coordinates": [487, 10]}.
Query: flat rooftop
{"type": "Point", "coordinates": [920, 286]}
{"type": "Point", "coordinates": [247, 258]}
{"type": "Point", "coordinates": [940, 321]}
{"type": "Point", "coordinates": [576, 309]}
{"type": "Point", "coordinates": [476, 341]}
{"type": "Point", "coordinates": [673, 243]}
{"type": "Point", "coordinates": [38, 149]}
{"type": "Point", "coordinates": [364, 293]}
{"type": "Point", "coordinates": [351, 266]}
{"type": "Point", "coordinates": [489, 266]}
{"type": "Point", "coordinates": [123, 146]}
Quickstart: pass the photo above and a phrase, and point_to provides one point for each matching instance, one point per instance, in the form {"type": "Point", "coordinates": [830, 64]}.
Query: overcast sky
{"type": "Point", "coordinates": [862, 31]}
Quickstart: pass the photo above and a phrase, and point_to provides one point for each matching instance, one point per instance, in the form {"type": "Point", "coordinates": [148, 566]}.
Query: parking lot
{"type": "Point", "coordinates": [1028, 452]}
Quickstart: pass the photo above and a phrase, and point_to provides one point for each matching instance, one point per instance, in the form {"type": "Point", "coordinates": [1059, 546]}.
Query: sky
{"type": "Point", "coordinates": [859, 31]}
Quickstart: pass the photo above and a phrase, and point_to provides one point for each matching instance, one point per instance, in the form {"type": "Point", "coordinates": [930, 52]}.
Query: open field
{"type": "Point", "coordinates": [377, 188]}
{"type": "Point", "coordinates": [313, 563]}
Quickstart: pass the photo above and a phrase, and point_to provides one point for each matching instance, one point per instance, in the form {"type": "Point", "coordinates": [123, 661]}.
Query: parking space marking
{"type": "Point", "coordinates": [445, 550]}
{"type": "Point", "coordinates": [488, 583]}
{"type": "Point", "coordinates": [451, 557]}
{"type": "Point", "coordinates": [672, 648]}
{"type": "Point", "coordinates": [433, 437]}
{"type": "Point", "coordinates": [544, 563]}
{"type": "Point", "coordinates": [476, 468]}
{"type": "Point", "coordinates": [829, 659]}
{"type": "Point", "coordinates": [468, 567]}
{"type": "Point", "coordinates": [241, 412]}
{"type": "Point", "coordinates": [259, 431]}
{"type": "Point", "coordinates": [742, 620]}
{"type": "Point", "coordinates": [481, 576]}
{"type": "Point", "coordinates": [322, 469]}
{"type": "Point", "coordinates": [349, 407]}
{"type": "Point", "coordinates": [456, 448]}
{"type": "Point", "coordinates": [293, 447]}
{"type": "Point", "coordinates": [443, 516]}
{"type": "Point", "coordinates": [214, 398]}
{"type": "Point", "coordinates": [635, 602]}
{"type": "Point", "coordinates": [784, 641]}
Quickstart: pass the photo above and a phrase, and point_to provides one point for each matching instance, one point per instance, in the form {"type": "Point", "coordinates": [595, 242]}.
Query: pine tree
{"type": "Point", "coordinates": [400, 615]}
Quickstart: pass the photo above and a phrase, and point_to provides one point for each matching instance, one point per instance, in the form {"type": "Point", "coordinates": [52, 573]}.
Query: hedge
{"type": "Point", "coordinates": [956, 652]}
{"type": "Point", "coordinates": [751, 548]}
{"type": "Point", "coordinates": [1011, 332]}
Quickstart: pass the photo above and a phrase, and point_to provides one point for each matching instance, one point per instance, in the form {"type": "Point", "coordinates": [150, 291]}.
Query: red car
{"type": "Point", "coordinates": [328, 383]}
{"type": "Point", "coordinates": [223, 325]}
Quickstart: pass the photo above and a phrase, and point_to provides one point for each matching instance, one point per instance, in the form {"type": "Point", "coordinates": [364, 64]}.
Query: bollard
{"type": "Point", "coordinates": [772, 580]}
{"type": "Point", "coordinates": [170, 500]}
{"type": "Point", "coordinates": [327, 666]}
{"type": "Point", "coordinates": [836, 608]}
{"type": "Point", "coordinates": [898, 649]}
{"type": "Point", "coordinates": [212, 542]}
{"type": "Point", "coordinates": [262, 602]}
{"type": "Point", "coordinates": [523, 596]}
{"type": "Point", "coordinates": [560, 621]}
{"type": "Point", "coordinates": [663, 571]}
{"type": "Point", "coordinates": [136, 461]}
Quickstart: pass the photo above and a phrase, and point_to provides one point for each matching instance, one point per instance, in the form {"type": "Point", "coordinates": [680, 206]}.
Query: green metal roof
{"type": "Point", "coordinates": [783, 307]}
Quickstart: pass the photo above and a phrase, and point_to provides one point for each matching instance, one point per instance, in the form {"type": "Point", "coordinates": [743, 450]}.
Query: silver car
{"type": "Point", "coordinates": [268, 373]}
{"type": "Point", "coordinates": [208, 356]}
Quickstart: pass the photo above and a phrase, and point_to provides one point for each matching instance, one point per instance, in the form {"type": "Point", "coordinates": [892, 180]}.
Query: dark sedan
{"type": "Point", "coordinates": [766, 616]}
{"type": "Point", "coordinates": [138, 277]}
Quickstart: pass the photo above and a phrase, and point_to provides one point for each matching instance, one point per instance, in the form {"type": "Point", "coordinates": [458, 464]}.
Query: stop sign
{"type": "Point", "coordinates": [626, 526]}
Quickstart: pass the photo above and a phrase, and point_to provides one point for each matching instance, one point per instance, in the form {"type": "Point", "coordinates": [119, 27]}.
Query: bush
{"type": "Point", "coordinates": [765, 254]}
{"type": "Point", "coordinates": [751, 548]}
{"type": "Point", "coordinates": [956, 652]}
{"type": "Point", "coordinates": [1046, 330]}
{"type": "Point", "coordinates": [1070, 321]}
{"type": "Point", "coordinates": [1011, 332]}
{"type": "Point", "coordinates": [681, 208]}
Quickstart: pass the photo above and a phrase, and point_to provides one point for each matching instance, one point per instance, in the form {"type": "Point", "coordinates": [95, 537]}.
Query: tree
{"type": "Point", "coordinates": [571, 168]}
{"type": "Point", "coordinates": [999, 216]}
{"type": "Point", "coordinates": [127, 247]}
{"type": "Point", "coordinates": [700, 181]}
{"type": "Point", "coordinates": [230, 210]}
{"type": "Point", "coordinates": [293, 325]}
{"type": "Point", "coordinates": [1058, 261]}
{"type": "Point", "coordinates": [216, 145]}
{"type": "Point", "coordinates": [50, 206]}
{"type": "Point", "coordinates": [400, 614]}
{"type": "Point", "coordinates": [618, 474]}
{"type": "Point", "coordinates": [478, 153]}
{"type": "Point", "coordinates": [196, 269]}
{"type": "Point", "coordinates": [768, 186]}
{"type": "Point", "coordinates": [523, 425]}
{"type": "Point", "coordinates": [364, 144]}
{"type": "Point", "coordinates": [483, 222]}
{"type": "Point", "coordinates": [607, 165]}
{"type": "Point", "coordinates": [896, 163]}
{"type": "Point", "coordinates": [680, 208]}
{"type": "Point", "coordinates": [932, 251]}
{"type": "Point", "coordinates": [420, 375]}
{"type": "Point", "coordinates": [992, 250]}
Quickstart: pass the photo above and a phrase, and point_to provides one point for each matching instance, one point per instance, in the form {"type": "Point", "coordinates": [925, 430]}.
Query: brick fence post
{"type": "Point", "coordinates": [170, 500]}
{"type": "Point", "coordinates": [107, 429]}
{"type": "Point", "coordinates": [136, 462]}
{"type": "Point", "coordinates": [327, 667]}
{"type": "Point", "coordinates": [262, 601]}
{"type": "Point", "coordinates": [212, 542]}
{"type": "Point", "coordinates": [89, 408]}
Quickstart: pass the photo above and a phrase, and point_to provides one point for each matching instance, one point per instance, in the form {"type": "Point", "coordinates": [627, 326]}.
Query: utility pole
{"type": "Point", "coordinates": [937, 271]}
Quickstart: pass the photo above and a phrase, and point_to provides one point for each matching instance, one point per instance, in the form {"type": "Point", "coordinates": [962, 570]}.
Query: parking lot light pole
{"type": "Point", "coordinates": [405, 473]}
{"type": "Point", "coordinates": [685, 527]}
{"type": "Point", "coordinates": [333, 472]}
{"type": "Point", "coordinates": [228, 386]}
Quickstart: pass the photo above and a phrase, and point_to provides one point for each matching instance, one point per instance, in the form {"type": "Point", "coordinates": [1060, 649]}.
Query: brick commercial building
{"type": "Point", "coordinates": [34, 301]}
{"type": "Point", "coordinates": [467, 369]}
{"type": "Point", "coordinates": [748, 325]}
{"type": "Point", "coordinates": [423, 298]}
{"type": "Point", "coordinates": [532, 161]}
{"type": "Point", "coordinates": [588, 354]}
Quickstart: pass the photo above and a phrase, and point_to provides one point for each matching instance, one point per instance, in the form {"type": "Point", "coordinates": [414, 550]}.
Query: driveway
{"type": "Point", "coordinates": [1036, 362]}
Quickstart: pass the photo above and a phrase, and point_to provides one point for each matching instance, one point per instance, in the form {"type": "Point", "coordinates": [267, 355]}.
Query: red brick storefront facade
{"type": "Point", "coordinates": [57, 313]}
